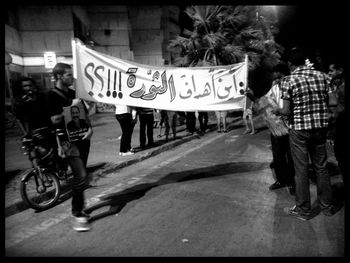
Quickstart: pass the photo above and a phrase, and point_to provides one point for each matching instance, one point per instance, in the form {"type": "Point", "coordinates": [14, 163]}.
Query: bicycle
{"type": "Point", "coordinates": [40, 186]}
{"type": "Point", "coordinates": [10, 120]}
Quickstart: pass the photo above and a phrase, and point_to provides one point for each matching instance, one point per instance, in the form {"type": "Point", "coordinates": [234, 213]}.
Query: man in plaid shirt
{"type": "Point", "coordinates": [306, 96]}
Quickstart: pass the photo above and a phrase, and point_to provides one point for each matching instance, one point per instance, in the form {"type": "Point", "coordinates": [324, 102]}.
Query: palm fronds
{"type": "Point", "coordinates": [222, 35]}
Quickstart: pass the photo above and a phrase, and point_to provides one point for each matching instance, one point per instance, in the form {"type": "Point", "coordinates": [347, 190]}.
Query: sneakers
{"type": "Point", "coordinates": [294, 211]}
{"type": "Point", "coordinates": [276, 185]}
{"type": "Point", "coordinates": [126, 153]}
{"type": "Point", "coordinates": [247, 131]}
{"type": "Point", "coordinates": [291, 190]}
{"type": "Point", "coordinates": [81, 223]}
{"type": "Point", "coordinates": [328, 210]}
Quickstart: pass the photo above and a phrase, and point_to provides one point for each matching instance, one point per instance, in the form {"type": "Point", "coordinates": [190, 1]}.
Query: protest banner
{"type": "Point", "coordinates": [103, 78]}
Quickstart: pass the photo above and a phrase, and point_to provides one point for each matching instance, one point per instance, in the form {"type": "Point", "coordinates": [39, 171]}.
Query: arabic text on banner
{"type": "Point", "coordinates": [111, 80]}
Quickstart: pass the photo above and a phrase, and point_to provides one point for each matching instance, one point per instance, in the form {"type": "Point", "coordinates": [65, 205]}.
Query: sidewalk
{"type": "Point", "coordinates": [104, 152]}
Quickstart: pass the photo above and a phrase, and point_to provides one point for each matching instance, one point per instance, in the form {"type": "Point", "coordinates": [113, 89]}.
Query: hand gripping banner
{"type": "Point", "coordinates": [106, 79]}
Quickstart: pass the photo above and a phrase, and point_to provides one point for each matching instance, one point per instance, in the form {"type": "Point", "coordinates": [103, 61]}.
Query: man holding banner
{"type": "Point", "coordinates": [76, 152]}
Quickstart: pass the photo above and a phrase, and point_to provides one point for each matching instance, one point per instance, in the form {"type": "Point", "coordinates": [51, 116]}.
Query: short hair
{"type": "Point", "coordinates": [24, 78]}
{"type": "Point", "coordinates": [296, 56]}
{"type": "Point", "coordinates": [18, 88]}
{"type": "Point", "coordinates": [71, 108]}
{"type": "Point", "coordinates": [282, 68]}
{"type": "Point", "coordinates": [60, 69]}
{"type": "Point", "coordinates": [336, 62]}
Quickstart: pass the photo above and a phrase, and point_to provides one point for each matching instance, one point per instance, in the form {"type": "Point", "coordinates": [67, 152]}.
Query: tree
{"type": "Point", "coordinates": [222, 35]}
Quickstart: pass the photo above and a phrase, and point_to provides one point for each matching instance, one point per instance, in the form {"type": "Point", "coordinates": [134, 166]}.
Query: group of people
{"type": "Point", "coordinates": [305, 97]}
{"type": "Point", "coordinates": [127, 118]}
{"type": "Point", "coordinates": [309, 101]}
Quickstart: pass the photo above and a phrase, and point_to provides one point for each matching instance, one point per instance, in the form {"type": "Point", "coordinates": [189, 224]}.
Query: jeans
{"type": "Point", "coordinates": [191, 121]}
{"type": "Point", "coordinates": [282, 159]}
{"type": "Point", "coordinates": [77, 162]}
{"type": "Point", "coordinates": [304, 143]}
{"type": "Point", "coordinates": [340, 146]}
{"type": "Point", "coordinates": [170, 120]}
{"type": "Point", "coordinates": [127, 126]}
{"type": "Point", "coordinates": [146, 120]}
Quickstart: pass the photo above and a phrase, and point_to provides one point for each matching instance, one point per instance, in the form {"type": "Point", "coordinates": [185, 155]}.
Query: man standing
{"type": "Point", "coordinates": [146, 118]}
{"type": "Point", "coordinates": [336, 72]}
{"type": "Point", "coordinates": [76, 152]}
{"type": "Point", "coordinates": [306, 96]}
{"type": "Point", "coordinates": [282, 159]}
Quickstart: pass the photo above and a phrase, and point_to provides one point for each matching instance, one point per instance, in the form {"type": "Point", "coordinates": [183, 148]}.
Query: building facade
{"type": "Point", "coordinates": [38, 36]}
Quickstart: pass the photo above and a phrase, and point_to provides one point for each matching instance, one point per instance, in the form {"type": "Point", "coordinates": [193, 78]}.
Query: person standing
{"type": "Point", "coordinates": [169, 119]}
{"type": "Point", "coordinates": [203, 120]}
{"type": "Point", "coordinates": [336, 72]}
{"type": "Point", "coordinates": [127, 118]}
{"type": "Point", "coordinates": [282, 158]}
{"type": "Point", "coordinates": [248, 114]}
{"type": "Point", "coordinates": [146, 118]}
{"type": "Point", "coordinates": [221, 115]}
{"type": "Point", "coordinates": [76, 152]}
{"type": "Point", "coordinates": [306, 96]}
{"type": "Point", "coordinates": [191, 122]}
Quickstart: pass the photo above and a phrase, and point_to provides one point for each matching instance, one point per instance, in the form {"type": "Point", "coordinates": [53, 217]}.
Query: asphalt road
{"type": "Point", "coordinates": [208, 197]}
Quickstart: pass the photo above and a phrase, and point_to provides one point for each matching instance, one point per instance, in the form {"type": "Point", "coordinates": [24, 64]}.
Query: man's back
{"type": "Point", "coordinates": [308, 91]}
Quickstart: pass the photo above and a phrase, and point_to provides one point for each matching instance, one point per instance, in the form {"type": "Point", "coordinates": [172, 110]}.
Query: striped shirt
{"type": "Point", "coordinates": [307, 89]}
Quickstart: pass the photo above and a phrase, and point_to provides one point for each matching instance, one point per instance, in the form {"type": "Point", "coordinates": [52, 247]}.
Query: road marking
{"type": "Point", "coordinates": [175, 158]}
{"type": "Point", "coordinates": [21, 236]}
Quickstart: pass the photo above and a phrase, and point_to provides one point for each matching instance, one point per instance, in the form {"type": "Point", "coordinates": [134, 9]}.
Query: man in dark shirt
{"type": "Point", "coordinates": [76, 152]}
{"type": "Point", "coordinates": [30, 106]}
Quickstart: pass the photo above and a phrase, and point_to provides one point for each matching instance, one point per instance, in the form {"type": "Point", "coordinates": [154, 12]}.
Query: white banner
{"type": "Point", "coordinates": [111, 80]}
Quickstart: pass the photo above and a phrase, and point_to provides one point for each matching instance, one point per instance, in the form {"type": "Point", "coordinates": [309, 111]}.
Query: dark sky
{"type": "Point", "coordinates": [315, 26]}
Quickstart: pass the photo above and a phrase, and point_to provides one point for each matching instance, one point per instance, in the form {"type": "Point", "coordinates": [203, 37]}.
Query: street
{"type": "Point", "coordinates": [206, 197]}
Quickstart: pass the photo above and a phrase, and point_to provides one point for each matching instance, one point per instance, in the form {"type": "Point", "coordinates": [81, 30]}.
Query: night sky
{"type": "Point", "coordinates": [317, 27]}
{"type": "Point", "coordinates": [314, 27]}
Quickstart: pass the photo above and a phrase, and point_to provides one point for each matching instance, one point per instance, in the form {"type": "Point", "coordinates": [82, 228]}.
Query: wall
{"type": "Point", "coordinates": [48, 28]}
{"type": "Point", "coordinates": [135, 33]}
{"type": "Point", "coordinates": [147, 36]}
{"type": "Point", "coordinates": [110, 29]}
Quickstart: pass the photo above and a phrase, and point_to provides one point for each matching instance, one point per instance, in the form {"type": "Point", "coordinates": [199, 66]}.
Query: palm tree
{"type": "Point", "coordinates": [222, 35]}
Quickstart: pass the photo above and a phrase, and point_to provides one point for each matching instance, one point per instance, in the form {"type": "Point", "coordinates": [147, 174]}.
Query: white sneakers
{"type": "Point", "coordinates": [126, 153]}
{"type": "Point", "coordinates": [81, 224]}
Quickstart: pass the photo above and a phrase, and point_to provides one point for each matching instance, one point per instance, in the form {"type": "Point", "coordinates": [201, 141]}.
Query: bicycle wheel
{"type": "Point", "coordinates": [10, 120]}
{"type": "Point", "coordinates": [37, 196]}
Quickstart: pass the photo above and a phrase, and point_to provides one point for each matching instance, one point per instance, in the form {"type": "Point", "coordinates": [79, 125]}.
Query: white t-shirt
{"type": "Point", "coordinates": [275, 94]}
{"type": "Point", "coordinates": [121, 109]}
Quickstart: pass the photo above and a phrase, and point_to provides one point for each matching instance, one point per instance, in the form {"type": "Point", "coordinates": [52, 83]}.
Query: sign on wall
{"type": "Point", "coordinates": [50, 59]}
{"type": "Point", "coordinates": [106, 79]}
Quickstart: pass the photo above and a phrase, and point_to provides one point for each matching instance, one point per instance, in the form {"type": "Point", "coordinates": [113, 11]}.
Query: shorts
{"type": "Point", "coordinates": [221, 114]}
{"type": "Point", "coordinates": [247, 113]}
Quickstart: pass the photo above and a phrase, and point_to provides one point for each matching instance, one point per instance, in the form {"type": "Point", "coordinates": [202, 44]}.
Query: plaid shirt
{"type": "Point", "coordinates": [307, 89]}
